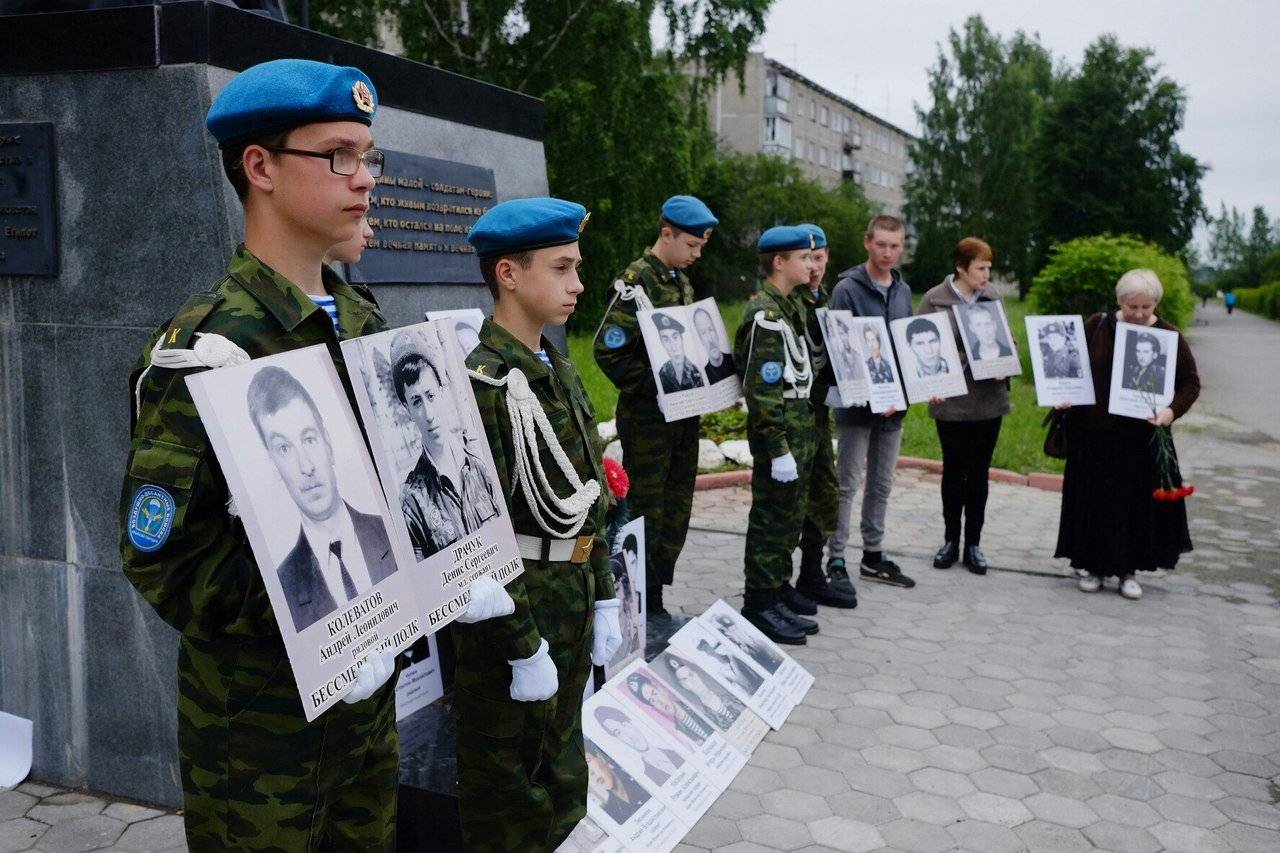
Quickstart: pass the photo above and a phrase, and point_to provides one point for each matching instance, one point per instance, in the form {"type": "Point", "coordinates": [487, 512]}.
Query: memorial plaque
{"type": "Point", "coordinates": [28, 200]}
{"type": "Point", "coordinates": [420, 212]}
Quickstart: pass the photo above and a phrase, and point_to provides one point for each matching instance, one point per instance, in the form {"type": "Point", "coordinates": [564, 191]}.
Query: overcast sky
{"type": "Point", "coordinates": [1223, 53]}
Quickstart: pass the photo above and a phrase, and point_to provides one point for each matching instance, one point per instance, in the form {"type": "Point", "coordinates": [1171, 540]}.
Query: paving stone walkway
{"type": "Point", "coordinates": [42, 817]}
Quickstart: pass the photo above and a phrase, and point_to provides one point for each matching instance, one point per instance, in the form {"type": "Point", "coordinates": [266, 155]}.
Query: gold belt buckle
{"type": "Point", "coordinates": [582, 549]}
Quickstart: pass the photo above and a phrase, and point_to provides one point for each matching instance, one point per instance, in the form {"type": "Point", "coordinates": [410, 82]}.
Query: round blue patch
{"type": "Point", "coordinates": [150, 518]}
{"type": "Point", "coordinates": [614, 337]}
{"type": "Point", "coordinates": [771, 371]}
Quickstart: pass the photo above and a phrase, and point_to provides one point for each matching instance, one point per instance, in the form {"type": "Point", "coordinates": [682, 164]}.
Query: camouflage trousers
{"type": "Point", "coordinates": [820, 508]}
{"type": "Point", "coordinates": [522, 772]}
{"type": "Point", "coordinates": [256, 776]}
{"type": "Point", "coordinates": [777, 509]}
{"type": "Point", "coordinates": [662, 463]}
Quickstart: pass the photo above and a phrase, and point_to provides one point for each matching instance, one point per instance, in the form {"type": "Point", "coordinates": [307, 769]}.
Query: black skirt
{"type": "Point", "coordinates": [1110, 523]}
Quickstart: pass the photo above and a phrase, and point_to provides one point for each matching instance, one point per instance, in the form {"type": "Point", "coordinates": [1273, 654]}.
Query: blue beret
{"type": "Point", "coordinates": [819, 236]}
{"type": "Point", "coordinates": [286, 93]}
{"type": "Point", "coordinates": [523, 224]}
{"type": "Point", "coordinates": [786, 238]}
{"type": "Point", "coordinates": [689, 214]}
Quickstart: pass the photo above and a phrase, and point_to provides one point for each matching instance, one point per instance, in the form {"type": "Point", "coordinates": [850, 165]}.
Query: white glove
{"type": "Point", "coordinates": [607, 633]}
{"type": "Point", "coordinates": [783, 468]}
{"type": "Point", "coordinates": [534, 679]}
{"type": "Point", "coordinates": [489, 599]}
{"type": "Point", "coordinates": [378, 667]}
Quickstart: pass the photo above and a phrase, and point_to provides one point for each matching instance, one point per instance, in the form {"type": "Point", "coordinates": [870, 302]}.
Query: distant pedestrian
{"type": "Point", "coordinates": [1230, 301]}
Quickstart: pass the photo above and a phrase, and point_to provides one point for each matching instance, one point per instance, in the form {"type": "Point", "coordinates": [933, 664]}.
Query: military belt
{"type": "Point", "coordinates": [793, 394]}
{"type": "Point", "coordinates": [555, 550]}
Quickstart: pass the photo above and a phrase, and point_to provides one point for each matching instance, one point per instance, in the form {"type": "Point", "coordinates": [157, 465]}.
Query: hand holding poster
{"type": "Point", "coordinates": [691, 357]}
{"type": "Point", "coordinates": [1060, 360]}
{"type": "Point", "coordinates": [988, 343]}
{"type": "Point", "coordinates": [434, 463]}
{"type": "Point", "coordinates": [304, 488]}
{"type": "Point", "coordinates": [930, 360]}
{"type": "Point", "coordinates": [1142, 370]}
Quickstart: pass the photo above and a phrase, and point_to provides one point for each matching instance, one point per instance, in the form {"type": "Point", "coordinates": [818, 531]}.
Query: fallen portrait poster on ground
{"type": "Point", "coordinates": [741, 726]}
{"type": "Point", "coordinates": [847, 364]}
{"type": "Point", "coordinates": [929, 357]}
{"type": "Point", "coordinates": [988, 342]}
{"type": "Point", "coordinates": [1060, 360]}
{"type": "Point", "coordinates": [420, 682]}
{"type": "Point", "coordinates": [305, 490]}
{"type": "Point", "coordinates": [691, 356]}
{"type": "Point", "coordinates": [466, 325]}
{"type": "Point", "coordinates": [732, 669]}
{"type": "Point", "coordinates": [448, 515]}
{"type": "Point", "coordinates": [1142, 370]}
{"type": "Point", "coordinates": [626, 808]}
{"type": "Point", "coordinates": [779, 668]}
{"type": "Point", "coordinates": [590, 837]}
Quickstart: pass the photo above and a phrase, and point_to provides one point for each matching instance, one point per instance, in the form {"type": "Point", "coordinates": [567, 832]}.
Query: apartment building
{"type": "Point", "coordinates": [780, 111]}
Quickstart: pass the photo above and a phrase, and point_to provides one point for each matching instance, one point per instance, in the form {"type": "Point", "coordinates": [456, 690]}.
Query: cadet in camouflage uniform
{"type": "Point", "coordinates": [820, 506]}
{"type": "Point", "coordinates": [255, 774]}
{"type": "Point", "coordinates": [772, 355]}
{"type": "Point", "coordinates": [661, 458]}
{"type": "Point", "coordinates": [522, 777]}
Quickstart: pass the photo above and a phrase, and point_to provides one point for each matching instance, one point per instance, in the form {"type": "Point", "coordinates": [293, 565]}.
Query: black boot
{"type": "Point", "coordinates": [653, 603]}
{"type": "Point", "coordinates": [947, 554]}
{"type": "Point", "coordinates": [800, 623]}
{"type": "Point", "coordinates": [759, 609]}
{"type": "Point", "coordinates": [796, 602]}
{"type": "Point", "coordinates": [813, 584]}
{"type": "Point", "coordinates": [975, 559]}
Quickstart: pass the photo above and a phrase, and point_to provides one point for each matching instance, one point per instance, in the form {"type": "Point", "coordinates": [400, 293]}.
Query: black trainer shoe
{"type": "Point", "coordinates": [886, 571]}
{"type": "Point", "coordinates": [796, 602]}
{"type": "Point", "coordinates": [653, 604]}
{"type": "Point", "coordinates": [975, 559]}
{"type": "Point", "coordinates": [772, 624]}
{"type": "Point", "coordinates": [822, 591]}
{"type": "Point", "coordinates": [839, 577]}
{"type": "Point", "coordinates": [947, 555]}
{"type": "Point", "coordinates": [800, 623]}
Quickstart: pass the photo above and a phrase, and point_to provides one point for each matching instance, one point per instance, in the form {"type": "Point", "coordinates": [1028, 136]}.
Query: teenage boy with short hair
{"type": "Point", "coordinates": [771, 353]}
{"type": "Point", "coordinates": [255, 774]}
{"type": "Point", "coordinates": [522, 778]}
{"type": "Point", "coordinates": [864, 438]}
{"type": "Point", "coordinates": [661, 458]}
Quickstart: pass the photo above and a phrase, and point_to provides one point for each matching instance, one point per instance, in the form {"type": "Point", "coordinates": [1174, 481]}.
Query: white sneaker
{"type": "Point", "coordinates": [1082, 573]}
{"type": "Point", "coordinates": [1090, 583]}
{"type": "Point", "coordinates": [1129, 589]}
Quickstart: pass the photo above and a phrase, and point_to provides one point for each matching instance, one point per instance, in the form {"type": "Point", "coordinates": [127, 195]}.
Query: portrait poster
{"type": "Point", "coordinates": [741, 726]}
{"type": "Point", "coordinates": [691, 356]}
{"type": "Point", "coordinates": [1142, 370]}
{"type": "Point", "coordinates": [305, 490]}
{"type": "Point", "coordinates": [929, 357]}
{"type": "Point", "coordinates": [649, 756]}
{"type": "Point", "coordinates": [448, 515]}
{"type": "Point", "coordinates": [639, 687]}
{"type": "Point", "coordinates": [627, 562]}
{"type": "Point", "coordinates": [626, 808]}
{"type": "Point", "coordinates": [847, 365]}
{"type": "Point", "coordinates": [779, 668]}
{"type": "Point", "coordinates": [735, 671]}
{"type": "Point", "coordinates": [590, 837]}
{"type": "Point", "coordinates": [466, 324]}
{"type": "Point", "coordinates": [871, 337]}
{"type": "Point", "coordinates": [1060, 360]}
{"type": "Point", "coordinates": [988, 342]}
{"type": "Point", "coordinates": [420, 682]}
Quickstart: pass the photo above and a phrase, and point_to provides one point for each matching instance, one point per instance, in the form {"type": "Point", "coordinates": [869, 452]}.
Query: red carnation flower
{"type": "Point", "coordinates": [616, 476]}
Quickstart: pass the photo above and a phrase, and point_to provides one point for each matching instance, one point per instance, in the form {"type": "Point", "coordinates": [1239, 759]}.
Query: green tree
{"type": "Point", "coordinates": [1243, 259]}
{"type": "Point", "coordinates": [1108, 160]}
{"type": "Point", "coordinates": [975, 156]}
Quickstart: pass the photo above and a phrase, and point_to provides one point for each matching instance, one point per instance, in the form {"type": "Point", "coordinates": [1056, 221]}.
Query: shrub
{"type": "Point", "coordinates": [1081, 276]}
{"type": "Point", "coordinates": [1264, 300]}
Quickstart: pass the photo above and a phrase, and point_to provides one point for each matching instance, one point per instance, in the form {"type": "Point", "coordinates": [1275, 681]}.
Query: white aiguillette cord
{"type": "Point", "coordinates": [795, 351]}
{"type": "Point", "coordinates": [627, 293]}
{"type": "Point", "coordinates": [527, 420]}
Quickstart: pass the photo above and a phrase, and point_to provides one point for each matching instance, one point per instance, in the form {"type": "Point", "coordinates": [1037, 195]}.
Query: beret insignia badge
{"type": "Point", "coordinates": [363, 97]}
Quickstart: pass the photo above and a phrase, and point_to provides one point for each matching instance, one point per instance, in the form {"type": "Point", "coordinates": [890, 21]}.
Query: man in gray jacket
{"type": "Point", "coordinates": [864, 438]}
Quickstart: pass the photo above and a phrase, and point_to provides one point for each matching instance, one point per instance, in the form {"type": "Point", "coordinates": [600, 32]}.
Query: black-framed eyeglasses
{"type": "Point", "coordinates": [343, 161]}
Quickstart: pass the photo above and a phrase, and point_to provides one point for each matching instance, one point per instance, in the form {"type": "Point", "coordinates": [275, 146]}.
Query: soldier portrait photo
{"type": "Point", "coordinates": [1059, 350]}
{"type": "Point", "coordinates": [879, 365]}
{"type": "Point", "coordinates": [678, 373]}
{"type": "Point", "coordinates": [719, 363]}
{"type": "Point", "coordinates": [1143, 363]}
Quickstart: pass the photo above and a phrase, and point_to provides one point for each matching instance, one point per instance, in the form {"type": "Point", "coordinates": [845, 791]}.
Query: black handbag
{"type": "Point", "coordinates": [1055, 440]}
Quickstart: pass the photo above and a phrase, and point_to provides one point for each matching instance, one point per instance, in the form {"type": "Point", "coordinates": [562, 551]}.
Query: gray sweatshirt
{"type": "Point", "coordinates": [856, 292]}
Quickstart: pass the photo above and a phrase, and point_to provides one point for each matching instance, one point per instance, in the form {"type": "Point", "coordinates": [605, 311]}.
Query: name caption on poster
{"type": "Point", "coordinates": [358, 622]}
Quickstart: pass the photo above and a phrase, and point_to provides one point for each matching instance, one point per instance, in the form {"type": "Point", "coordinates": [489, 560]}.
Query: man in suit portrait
{"type": "Point", "coordinates": [340, 553]}
{"type": "Point", "coordinates": [1143, 370]}
{"type": "Point", "coordinates": [719, 363]}
{"type": "Point", "coordinates": [678, 374]}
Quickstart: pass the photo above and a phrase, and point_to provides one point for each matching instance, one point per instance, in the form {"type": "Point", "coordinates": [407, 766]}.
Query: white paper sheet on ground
{"type": "Point", "coordinates": [988, 342]}
{"type": "Point", "coordinates": [305, 489]}
{"type": "Point", "coordinates": [871, 336]}
{"type": "Point", "coordinates": [15, 749]}
{"type": "Point", "coordinates": [420, 683]}
{"type": "Point", "coordinates": [734, 671]}
{"type": "Point", "coordinates": [853, 385]}
{"type": "Point", "coordinates": [1060, 360]}
{"type": "Point", "coordinates": [691, 356]}
{"type": "Point", "coordinates": [657, 761]}
{"type": "Point", "coordinates": [778, 666]}
{"type": "Point", "coordinates": [1142, 370]}
{"type": "Point", "coordinates": [626, 808]}
{"type": "Point", "coordinates": [741, 726]}
{"type": "Point", "coordinates": [929, 357]}
{"type": "Point", "coordinates": [667, 712]}
{"type": "Point", "coordinates": [466, 324]}
{"type": "Point", "coordinates": [421, 418]}
{"type": "Point", "coordinates": [590, 837]}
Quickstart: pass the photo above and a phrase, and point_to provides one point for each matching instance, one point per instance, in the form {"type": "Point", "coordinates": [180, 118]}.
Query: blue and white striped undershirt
{"type": "Point", "coordinates": [329, 307]}
{"type": "Point", "coordinates": [543, 357]}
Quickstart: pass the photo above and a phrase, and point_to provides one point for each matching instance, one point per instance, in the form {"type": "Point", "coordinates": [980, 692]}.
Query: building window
{"type": "Point", "coordinates": [813, 110]}
{"type": "Point", "coordinates": [777, 135]}
{"type": "Point", "coordinates": [801, 148]}
{"type": "Point", "coordinates": [822, 156]}
{"type": "Point", "coordinates": [777, 86]}
{"type": "Point", "coordinates": [846, 163]}
{"type": "Point", "coordinates": [823, 117]}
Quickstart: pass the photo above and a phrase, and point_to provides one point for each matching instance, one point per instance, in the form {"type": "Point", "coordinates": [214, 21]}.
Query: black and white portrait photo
{"type": "Point", "coordinates": [1059, 350]}
{"type": "Point", "coordinates": [635, 748]}
{"type": "Point", "coordinates": [841, 349]}
{"type": "Point", "coordinates": [691, 358]}
{"type": "Point", "coordinates": [879, 367]}
{"type": "Point", "coordinates": [925, 343]}
{"type": "Point", "coordinates": [466, 324]}
{"type": "Point", "coordinates": [698, 688]}
{"type": "Point", "coordinates": [678, 373]}
{"type": "Point", "coordinates": [735, 631]}
{"type": "Point", "coordinates": [719, 363]}
{"type": "Point", "coordinates": [1143, 363]}
{"type": "Point", "coordinates": [626, 805]}
{"type": "Point", "coordinates": [1143, 369]}
{"type": "Point", "coordinates": [987, 340]}
{"type": "Point", "coordinates": [930, 359]}
{"type": "Point", "coordinates": [615, 790]}
{"type": "Point", "coordinates": [1059, 360]}
{"type": "Point", "coordinates": [627, 565]}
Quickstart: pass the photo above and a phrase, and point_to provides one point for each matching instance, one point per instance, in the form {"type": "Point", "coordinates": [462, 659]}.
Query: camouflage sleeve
{"type": "Point", "coordinates": [619, 347]}
{"type": "Point", "coordinates": [516, 636]}
{"type": "Point", "coordinates": [760, 358]}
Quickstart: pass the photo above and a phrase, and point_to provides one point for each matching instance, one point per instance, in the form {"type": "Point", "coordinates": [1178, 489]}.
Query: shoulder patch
{"type": "Point", "coordinates": [629, 276]}
{"type": "Point", "coordinates": [150, 518]}
{"type": "Point", "coordinates": [614, 337]}
{"type": "Point", "coordinates": [190, 317]}
{"type": "Point", "coordinates": [771, 372]}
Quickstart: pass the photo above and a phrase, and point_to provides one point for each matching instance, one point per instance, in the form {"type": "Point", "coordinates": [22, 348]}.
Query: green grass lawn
{"type": "Point", "coordinates": [1021, 436]}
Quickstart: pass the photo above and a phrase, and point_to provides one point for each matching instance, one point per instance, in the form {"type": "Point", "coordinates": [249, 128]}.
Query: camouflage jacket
{"type": "Point", "coordinates": [202, 579]}
{"type": "Point", "coordinates": [823, 376]}
{"type": "Point", "coordinates": [619, 347]}
{"type": "Point", "coordinates": [569, 410]}
{"type": "Point", "coordinates": [761, 358]}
